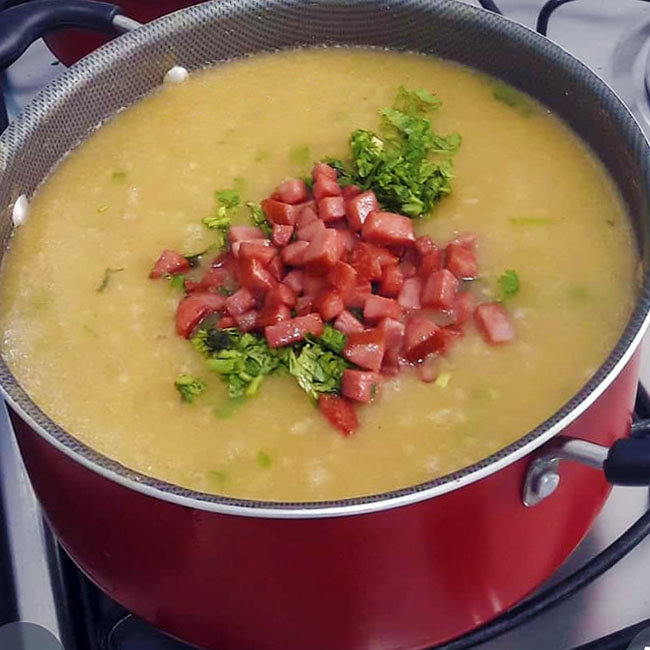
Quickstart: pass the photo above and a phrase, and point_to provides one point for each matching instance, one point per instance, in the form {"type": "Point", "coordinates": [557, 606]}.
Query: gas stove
{"type": "Point", "coordinates": [40, 584]}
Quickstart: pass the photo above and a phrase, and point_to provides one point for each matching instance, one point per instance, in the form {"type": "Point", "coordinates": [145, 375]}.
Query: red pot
{"type": "Point", "coordinates": [394, 571]}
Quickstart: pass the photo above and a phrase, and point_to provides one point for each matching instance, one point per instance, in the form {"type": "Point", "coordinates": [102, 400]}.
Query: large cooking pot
{"type": "Point", "coordinates": [405, 569]}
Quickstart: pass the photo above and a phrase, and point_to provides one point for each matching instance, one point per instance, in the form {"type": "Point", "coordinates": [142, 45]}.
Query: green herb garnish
{"type": "Point", "coordinates": [102, 208]}
{"type": "Point", "coordinates": [407, 165]}
{"type": "Point", "coordinates": [118, 176]}
{"type": "Point", "coordinates": [300, 156]}
{"type": "Point", "coordinates": [259, 218]}
{"type": "Point", "coordinates": [508, 283]}
{"type": "Point", "coordinates": [263, 459]}
{"type": "Point", "coordinates": [502, 92]}
{"type": "Point", "coordinates": [189, 387]}
{"type": "Point", "coordinates": [316, 369]}
{"type": "Point", "coordinates": [177, 281]}
{"type": "Point", "coordinates": [331, 339]}
{"type": "Point", "coordinates": [241, 360]}
{"type": "Point", "coordinates": [442, 379]}
{"type": "Point", "coordinates": [227, 204]}
{"type": "Point", "coordinates": [108, 274]}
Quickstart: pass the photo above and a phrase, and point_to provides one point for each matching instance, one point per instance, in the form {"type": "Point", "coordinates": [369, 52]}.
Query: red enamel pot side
{"type": "Point", "coordinates": [406, 577]}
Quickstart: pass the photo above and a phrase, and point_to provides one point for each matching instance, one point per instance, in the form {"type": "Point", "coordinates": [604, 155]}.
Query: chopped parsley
{"type": "Point", "coordinates": [102, 208]}
{"type": "Point", "coordinates": [259, 218]}
{"type": "Point", "coordinates": [316, 369]}
{"type": "Point", "coordinates": [407, 164]}
{"type": "Point", "coordinates": [243, 360]}
{"type": "Point", "coordinates": [108, 274]}
{"type": "Point", "coordinates": [189, 387]}
{"type": "Point", "coordinates": [506, 94]}
{"type": "Point", "coordinates": [263, 459]}
{"type": "Point", "coordinates": [118, 176]}
{"type": "Point", "coordinates": [442, 379]}
{"type": "Point", "coordinates": [508, 283]}
{"type": "Point", "coordinates": [177, 281]}
{"type": "Point", "coordinates": [227, 204]}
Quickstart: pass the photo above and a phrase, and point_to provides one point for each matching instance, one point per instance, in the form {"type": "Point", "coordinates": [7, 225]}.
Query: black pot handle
{"type": "Point", "coordinates": [626, 462]}
{"type": "Point", "coordinates": [22, 24]}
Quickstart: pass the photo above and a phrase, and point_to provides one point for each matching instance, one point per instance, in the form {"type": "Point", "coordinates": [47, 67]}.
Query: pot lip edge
{"type": "Point", "coordinates": [378, 502]}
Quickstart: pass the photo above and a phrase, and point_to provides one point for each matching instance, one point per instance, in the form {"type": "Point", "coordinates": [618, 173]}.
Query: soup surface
{"type": "Point", "coordinates": [103, 363]}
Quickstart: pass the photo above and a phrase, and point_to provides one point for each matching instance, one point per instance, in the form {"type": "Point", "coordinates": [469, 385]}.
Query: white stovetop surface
{"type": "Point", "coordinates": [591, 31]}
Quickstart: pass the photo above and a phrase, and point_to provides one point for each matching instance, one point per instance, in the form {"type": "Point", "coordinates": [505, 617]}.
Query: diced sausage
{"type": "Point", "coordinates": [408, 269]}
{"type": "Point", "coordinates": [360, 385]}
{"type": "Point", "coordinates": [192, 309]}
{"type": "Point", "coordinates": [329, 304]}
{"type": "Point", "coordinates": [240, 301]}
{"type": "Point", "coordinates": [394, 337]}
{"type": "Point", "coordinates": [246, 321]}
{"type": "Point", "coordinates": [308, 232]}
{"type": "Point", "coordinates": [276, 268]}
{"type": "Point", "coordinates": [388, 229]}
{"type": "Point", "coordinates": [349, 239]}
{"type": "Point", "coordinates": [249, 250]}
{"type": "Point", "coordinates": [293, 190]}
{"type": "Point", "coordinates": [391, 282]}
{"type": "Point", "coordinates": [343, 278]}
{"type": "Point", "coordinates": [350, 191]}
{"type": "Point", "coordinates": [244, 233]}
{"type": "Point", "coordinates": [339, 412]}
{"type": "Point", "coordinates": [253, 275]}
{"type": "Point", "coordinates": [331, 208]}
{"type": "Point", "coordinates": [494, 323]}
{"type": "Point", "coordinates": [280, 293]}
{"type": "Point", "coordinates": [324, 186]}
{"type": "Point", "coordinates": [377, 308]}
{"type": "Point", "coordinates": [424, 245]}
{"type": "Point", "coordinates": [282, 235]}
{"type": "Point", "coordinates": [359, 207]}
{"type": "Point", "coordinates": [281, 213]}
{"type": "Point", "coordinates": [225, 322]}
{"type": "Point", "coordinates": [419, 338]}
{"type": "Point", "coordinates": [358, 296]}
{"type": "Point", "coordinates": [213, 279]}
{"type": "Point", "coordinates": [409, 296]}
{"type": "Point", "coordinates": [304, 305]}
{"type": "Point", "coordinates": [271, 314]}
{"type": "Point", "coordinates": [461, 261]}
{"type": "Point", "coordinates": [324, 251]}
{"type": "Point", "coordinates": [430, 263]}
{"type": "Point", "coordinates": [366, 349]}
{"type": "Point", "coordinates": [440, 290]}
{"type": "Point", "coordinates": [168, 263]}
{"type": "Point", "coordinates": [347, 323]}
{"type": "Point", "coordinates": [293, 279]}
{"type": "Point", "coordinates": [294, 253]}
{"type": "Point", "coordinates": [313, 283]}
{"type": "Point", "coordinates": [293, 330]}
{"type": "Point", "coordinates": [323, 170]}
{"type": "Point", "coordinates": [306, 216]}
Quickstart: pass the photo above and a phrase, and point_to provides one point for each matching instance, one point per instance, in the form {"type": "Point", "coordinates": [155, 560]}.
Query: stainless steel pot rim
{"type": "Point", "coordinates": [155, 488]}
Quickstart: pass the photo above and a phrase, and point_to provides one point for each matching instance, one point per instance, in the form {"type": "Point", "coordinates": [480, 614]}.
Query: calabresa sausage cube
{"type": "Point", "coordinates": [293, 330]}
{"type": "Point", "coordinates": [388, 229]}
{"type": "Point", "coordinates": [360, 385]}
{"type": "Point", "coordinates": [168, 263]}
{"type": "Point", "coordinates": [440, 290]}
{"type": "Point", "coordinates": [461, 261]}
{"type": "Point", "coordinates": [340, 413]}
{"type": "Point", "coordinates": [366, 349]}
{"type": "Point", "coordinates": [359, 207]}
{"type": "Point", "coordinates": [494, 323]}
{"type": "Point", "coordinates": [293, 190]}
{"type": "Point", "coordinates": [192, 309]}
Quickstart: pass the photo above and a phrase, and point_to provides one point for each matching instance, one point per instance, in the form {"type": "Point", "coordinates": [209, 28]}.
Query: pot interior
{"type": "Point", "coordinates": [121, 72]}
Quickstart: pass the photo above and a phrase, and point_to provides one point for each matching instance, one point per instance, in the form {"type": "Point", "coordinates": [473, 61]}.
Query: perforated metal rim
{"type": "Point", "coordinates": [280, 17]}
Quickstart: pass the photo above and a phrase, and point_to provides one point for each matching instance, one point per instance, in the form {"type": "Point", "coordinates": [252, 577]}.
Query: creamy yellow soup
{"type": "Point", "coordinates": [103, 364]}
